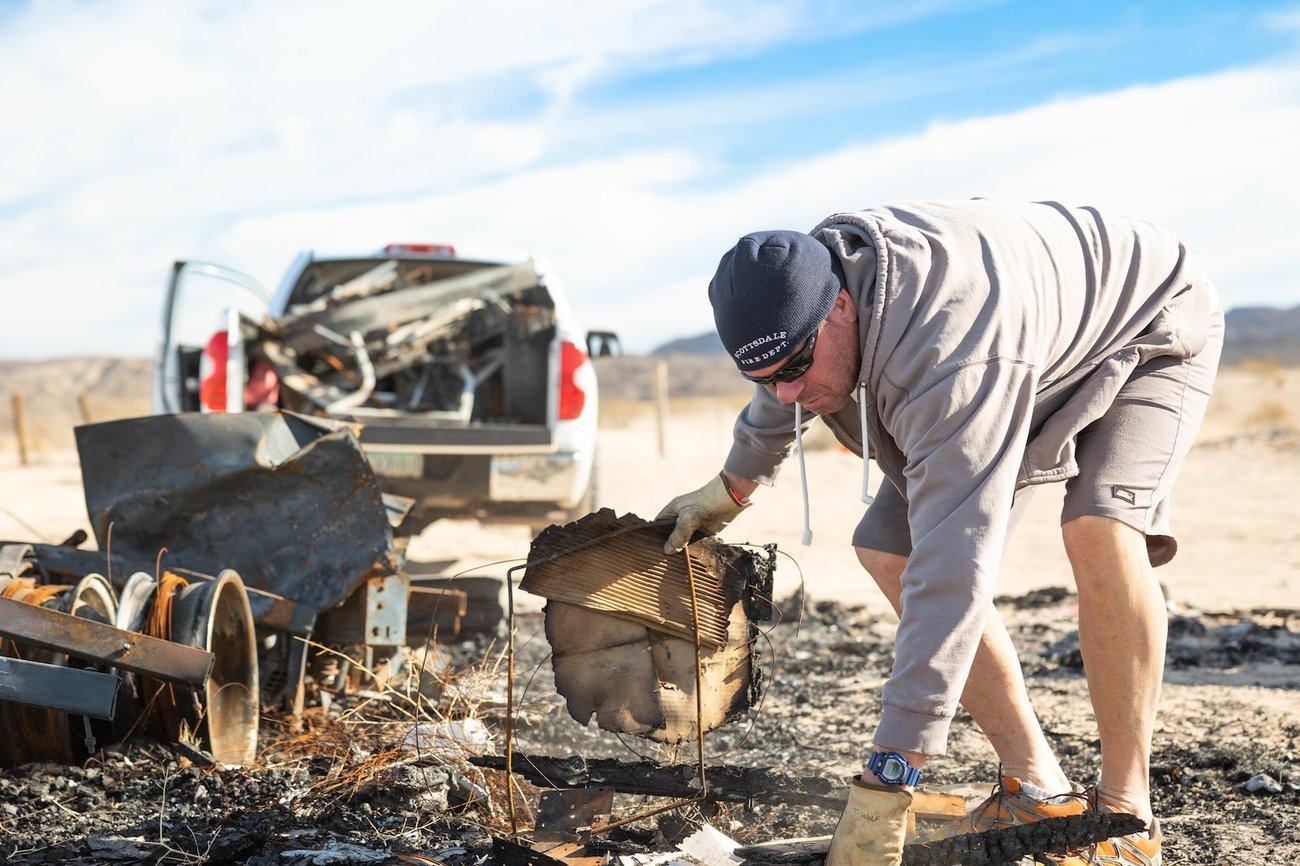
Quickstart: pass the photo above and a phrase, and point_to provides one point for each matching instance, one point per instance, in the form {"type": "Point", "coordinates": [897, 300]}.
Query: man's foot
{"type": "Point", "coordinates": [1007, 806]}
{"type": "Point", "coordinates": [1140, 849]}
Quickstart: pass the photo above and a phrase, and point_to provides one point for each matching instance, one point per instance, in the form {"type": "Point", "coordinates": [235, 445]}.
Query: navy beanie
{"type": "Point", "coordinates": [771, 291]}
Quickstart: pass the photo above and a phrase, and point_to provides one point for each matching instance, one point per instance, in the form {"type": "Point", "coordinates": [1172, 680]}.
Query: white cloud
{"type": "Point", "coordinates": [272, 128]}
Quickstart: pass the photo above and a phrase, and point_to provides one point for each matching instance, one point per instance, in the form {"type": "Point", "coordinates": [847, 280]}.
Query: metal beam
{"type": "Point", "coordinates": [95, 641]}
{"type": "Point", "coordinates": [73, 690]}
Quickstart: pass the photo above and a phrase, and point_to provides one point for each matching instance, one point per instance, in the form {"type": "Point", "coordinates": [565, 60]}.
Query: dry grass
{"type": "Point", "coordinates": [1250, 401]}
{"type": "Point", "coordinates": [618, 413]}
{"type": "Point", "coordinates": [372, 731]}
{"type": "Point", "coordinates": [1264, 368]}
{"type": "Point", "coordinates": [1271, 416]}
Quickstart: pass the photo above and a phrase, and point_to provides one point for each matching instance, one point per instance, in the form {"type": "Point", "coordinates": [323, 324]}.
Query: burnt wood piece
{"type": "Point", "coordinates": [990, 848]}
{"type": "Point", "coordinates": [726, 783]}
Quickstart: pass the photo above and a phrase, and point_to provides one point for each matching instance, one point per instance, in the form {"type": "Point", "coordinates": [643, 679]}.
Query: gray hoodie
{"type": "Point", "coordinates": [992, 333]}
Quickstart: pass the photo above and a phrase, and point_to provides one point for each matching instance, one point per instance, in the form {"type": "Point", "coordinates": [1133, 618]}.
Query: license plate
{"type": "Point", "coordinates": [396, 464]}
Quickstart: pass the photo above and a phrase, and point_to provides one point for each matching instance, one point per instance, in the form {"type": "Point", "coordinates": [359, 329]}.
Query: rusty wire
{"type": "Point", "coordinates": [161, 708]}
{"type": "Point", "coordinates": [36, 728]}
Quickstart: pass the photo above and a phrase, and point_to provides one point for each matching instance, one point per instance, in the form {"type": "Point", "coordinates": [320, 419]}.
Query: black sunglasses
{"type": "Point", "coordinates": [798, 364]}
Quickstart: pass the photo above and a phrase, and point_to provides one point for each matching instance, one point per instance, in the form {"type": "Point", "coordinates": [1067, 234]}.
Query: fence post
{"type": "Point", "coordinates": [661, 403]}
{"type": "Point", "coordinates": [83, 400]}
{"type": "Point", "coordinates": [20, 429]}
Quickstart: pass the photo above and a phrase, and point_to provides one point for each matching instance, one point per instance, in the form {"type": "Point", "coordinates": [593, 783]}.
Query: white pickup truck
{"type": "Point", "coordinates": [471, 381]}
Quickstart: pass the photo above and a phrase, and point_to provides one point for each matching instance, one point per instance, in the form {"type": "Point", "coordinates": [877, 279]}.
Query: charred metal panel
{"type": "Point", "coordinates": [618, 565]}
{"type": "Point", "coordinates": [288, 501]}
{"type": "Point", "coordinates": [620, 625]}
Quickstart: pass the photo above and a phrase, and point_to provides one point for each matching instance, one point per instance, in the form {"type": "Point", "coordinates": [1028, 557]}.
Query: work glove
{"type": "Point", "coordinates": [872, 827]}
{"type": "Point", "coordinates": [710, 508]}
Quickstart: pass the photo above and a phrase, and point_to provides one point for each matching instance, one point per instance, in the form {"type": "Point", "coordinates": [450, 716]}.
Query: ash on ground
{"type": "Point", "coordinates": [383, 776]}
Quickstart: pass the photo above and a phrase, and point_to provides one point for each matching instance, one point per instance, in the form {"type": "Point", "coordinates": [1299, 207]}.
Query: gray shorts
{"type": "Point", "coordinates": [1128, 459]}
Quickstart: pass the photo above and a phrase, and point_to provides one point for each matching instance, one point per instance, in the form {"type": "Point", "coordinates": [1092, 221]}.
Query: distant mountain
{"type": "Point", "coordinates": [1262, 334]}
{"type": "Point", "coordinates": [1253, 334]}
{"type": "Point", "coordinates": [707, 343]}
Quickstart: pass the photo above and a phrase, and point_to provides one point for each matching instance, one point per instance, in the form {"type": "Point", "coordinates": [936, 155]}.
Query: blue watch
{"type": "Point", "coordinates": [893, 769]}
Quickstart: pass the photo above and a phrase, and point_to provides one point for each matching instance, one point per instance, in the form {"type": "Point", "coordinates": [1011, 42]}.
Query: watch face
{"type": "Point", "coordinates": [893, 771]}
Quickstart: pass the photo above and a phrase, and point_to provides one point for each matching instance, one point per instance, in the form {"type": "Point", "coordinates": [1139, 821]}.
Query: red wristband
{"type": "Point", "coordinates": [739, 500]}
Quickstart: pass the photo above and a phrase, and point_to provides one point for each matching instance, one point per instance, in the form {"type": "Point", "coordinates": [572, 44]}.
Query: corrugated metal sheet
{"type": "Point", "coordinates": [617, 565]}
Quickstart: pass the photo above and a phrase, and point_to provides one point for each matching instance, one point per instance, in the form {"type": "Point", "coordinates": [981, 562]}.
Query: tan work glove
{"type": "Point", "coordinates": [710, 508]}
{"type": "Point", "coordinates": [871, 830]}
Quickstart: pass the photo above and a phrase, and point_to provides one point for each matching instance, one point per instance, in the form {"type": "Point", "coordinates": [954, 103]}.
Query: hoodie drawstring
{"type": "Point", "coordinates": [866, 462]}
{"type": "Point", "coordinates": [803, 469]}
{"type": "Point", "coordinates": [803, 474]}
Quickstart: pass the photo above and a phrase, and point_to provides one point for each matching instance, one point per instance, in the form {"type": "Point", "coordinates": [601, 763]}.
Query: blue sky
{"type": "Point", "coordinates": [629, 143]}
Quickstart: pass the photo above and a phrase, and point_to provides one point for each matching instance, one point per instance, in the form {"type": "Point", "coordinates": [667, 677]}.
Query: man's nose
{"type": "Point", "coordinates": [788, 392]}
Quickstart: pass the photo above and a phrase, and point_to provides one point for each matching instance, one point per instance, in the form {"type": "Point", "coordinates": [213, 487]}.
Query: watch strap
{"type": "Point", "coordinates": [876, 763]}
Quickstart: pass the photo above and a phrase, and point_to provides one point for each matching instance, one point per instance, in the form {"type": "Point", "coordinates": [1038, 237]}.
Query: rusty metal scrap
{"type": "Point", "coordinates": [618, 566]}
{"type": "Point", "coordinates": [194, 673]}
{"type": "Point", "coordinates": [213, 615]}
{"type": "Point", "coordinates": [55, 687]}
{"type": "Point", "coordinates": [51, 630]}
{"type": "Point", "coordinates": [63, 563]}
{"type": "Point", "coordinates": [287, 501]}
{"type": "Point", "coordinates": [15, 560]}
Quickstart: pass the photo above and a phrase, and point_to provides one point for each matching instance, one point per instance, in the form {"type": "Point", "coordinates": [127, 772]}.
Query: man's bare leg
{"type": "Point", "coordinates": [995, 693]}
{"type": "Point", "coordinates": [1122, 631]}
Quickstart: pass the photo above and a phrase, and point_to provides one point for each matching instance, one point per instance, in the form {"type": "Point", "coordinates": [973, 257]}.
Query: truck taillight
{"type": "Point", "coordinates": [443, 250]}
{"type": "Point", "coordinates": [572, 398]}
{"type": "Point", "coordinates": [212, 373]}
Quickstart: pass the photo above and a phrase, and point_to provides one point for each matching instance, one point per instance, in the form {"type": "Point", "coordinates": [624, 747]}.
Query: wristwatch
{"type": "Point", "coordinates": [893, 769]}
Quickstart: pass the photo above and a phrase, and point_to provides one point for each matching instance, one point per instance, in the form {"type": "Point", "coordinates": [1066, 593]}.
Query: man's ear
{"type": "Point", "coordinates": [844, 309]}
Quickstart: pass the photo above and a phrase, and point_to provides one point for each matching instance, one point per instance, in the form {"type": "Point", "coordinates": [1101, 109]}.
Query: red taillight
{"type": "Point", "coordinates": [420, 250]}
{"type": "Point", "coordinates": [572, 398]}
{"type": "Point", "coordinates": [212, 373]}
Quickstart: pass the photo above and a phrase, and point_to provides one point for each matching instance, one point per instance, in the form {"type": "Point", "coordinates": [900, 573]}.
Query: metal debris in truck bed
{"type": "Point", "coordinates": [371, 345]}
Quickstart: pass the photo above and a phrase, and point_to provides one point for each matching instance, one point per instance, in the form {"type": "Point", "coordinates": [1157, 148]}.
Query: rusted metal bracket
{"type": "Point", "coordinates": [55, 687]}
{"type": "Point", "coordinates": [95, 641]}
{"type": "Point", "coordinates": [571, 814]}
{"type": "Point", "coordinates": [14, 559]}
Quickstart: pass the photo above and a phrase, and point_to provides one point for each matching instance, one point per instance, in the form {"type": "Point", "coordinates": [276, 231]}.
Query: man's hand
{"type": "Point", "coordinates": [710, 508]}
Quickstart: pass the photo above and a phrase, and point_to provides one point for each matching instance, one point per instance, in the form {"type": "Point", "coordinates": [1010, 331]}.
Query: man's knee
{"type": "Point", "coordinates": [1084, 534]}
{"type": "Point", "coordinates": [1103, 550]}
{"type": "Point", "coordinates": [885, 568]}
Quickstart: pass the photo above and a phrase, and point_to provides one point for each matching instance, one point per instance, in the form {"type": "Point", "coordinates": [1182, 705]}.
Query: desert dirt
{"type": "Point", "coordinates": [1230, 710]}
